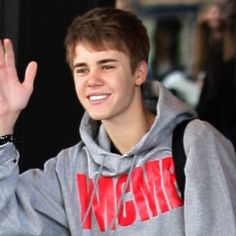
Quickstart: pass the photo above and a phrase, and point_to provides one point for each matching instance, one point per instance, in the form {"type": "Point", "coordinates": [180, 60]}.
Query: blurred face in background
{"type": "Point", "coordinates": [213, 17]}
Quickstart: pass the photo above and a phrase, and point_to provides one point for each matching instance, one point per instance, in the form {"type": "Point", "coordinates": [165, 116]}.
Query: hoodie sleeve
{"type": "Point", "coordinates": [31, 203]}
{"type": "Point", "coordinates": [210, 192]}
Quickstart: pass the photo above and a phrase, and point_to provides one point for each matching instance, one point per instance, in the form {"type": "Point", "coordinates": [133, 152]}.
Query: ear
{"type": "Point", "coordinates": [141, 73]}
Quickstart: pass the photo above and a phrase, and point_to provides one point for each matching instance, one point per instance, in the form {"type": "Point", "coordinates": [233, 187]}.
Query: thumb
{"type": "Point", "coordinates": [30, 74]}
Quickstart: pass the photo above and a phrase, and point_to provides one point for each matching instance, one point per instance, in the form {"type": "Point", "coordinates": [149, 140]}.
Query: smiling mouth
{"type": "Point", "coordinates": [97, 98]}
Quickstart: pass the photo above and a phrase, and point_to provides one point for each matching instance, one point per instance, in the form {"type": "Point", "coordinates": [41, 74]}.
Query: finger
{"type": "Point", "coordinates": [30, 74]}
{"type": "Point", "coordinates": [9, 53]}
{"type": "Point", "coordinates": [2, 61]}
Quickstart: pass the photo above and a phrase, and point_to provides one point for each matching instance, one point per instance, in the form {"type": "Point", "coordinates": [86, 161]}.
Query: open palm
{"type": "Point", "coordinates": [14, 95]}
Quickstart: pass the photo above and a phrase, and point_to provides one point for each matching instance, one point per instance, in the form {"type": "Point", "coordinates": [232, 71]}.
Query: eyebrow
{"type": "Point", "coordinates": [104, 61]}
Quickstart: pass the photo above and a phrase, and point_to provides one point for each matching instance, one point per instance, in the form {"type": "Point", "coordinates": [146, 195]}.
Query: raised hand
{"type": "Point", "coordinates": [14, 95]}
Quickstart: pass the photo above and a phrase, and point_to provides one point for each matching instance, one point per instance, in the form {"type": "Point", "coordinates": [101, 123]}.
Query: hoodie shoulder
{"type": "Point", "coordinates": [203, 138]}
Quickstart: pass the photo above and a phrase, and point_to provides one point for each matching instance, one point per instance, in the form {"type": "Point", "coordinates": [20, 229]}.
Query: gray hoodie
{"type": "Point", "coordinates": [87, 190]}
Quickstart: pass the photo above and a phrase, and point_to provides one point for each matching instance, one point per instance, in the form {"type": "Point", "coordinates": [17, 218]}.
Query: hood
{"type": "Point", "coordinates": [169, 111]}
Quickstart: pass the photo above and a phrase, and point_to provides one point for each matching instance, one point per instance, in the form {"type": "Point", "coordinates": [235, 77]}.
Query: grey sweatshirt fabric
{"type": "Point", "coordinates": [87, 190]}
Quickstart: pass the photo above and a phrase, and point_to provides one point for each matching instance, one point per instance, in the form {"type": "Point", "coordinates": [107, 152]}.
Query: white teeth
{"type": "Point", "coordinates": [97, 97]}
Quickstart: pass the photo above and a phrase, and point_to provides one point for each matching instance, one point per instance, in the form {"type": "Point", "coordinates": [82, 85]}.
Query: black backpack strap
{"type": "Point", "coordinates": [179, 155]}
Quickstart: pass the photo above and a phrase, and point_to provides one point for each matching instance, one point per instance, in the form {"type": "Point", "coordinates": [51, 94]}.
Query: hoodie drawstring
{"type": "Point", "coordinates": [121, 198]}
{"type": "Point", "coordinates": [98, 173]}
{"type": "Point", "coordinates": [110, 231]}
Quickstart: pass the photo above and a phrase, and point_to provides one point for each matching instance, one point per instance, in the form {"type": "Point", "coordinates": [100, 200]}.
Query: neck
{"type": "Point", "coordinates": [126, 133]}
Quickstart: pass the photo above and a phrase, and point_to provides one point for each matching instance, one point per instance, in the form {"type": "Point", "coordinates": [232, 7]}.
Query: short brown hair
{"type": "Point", "coordinates": [109, 28]}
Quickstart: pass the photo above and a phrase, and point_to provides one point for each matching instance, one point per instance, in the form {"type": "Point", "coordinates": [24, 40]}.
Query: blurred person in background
{"type": "Point", "coordinates": [165, 64]}
{"type": "Point", "coordinates": [229, 13]}
{"type": "Point", "coordinates": [166, 47]}
{"type": "Point", "coordinates": [214, 47]}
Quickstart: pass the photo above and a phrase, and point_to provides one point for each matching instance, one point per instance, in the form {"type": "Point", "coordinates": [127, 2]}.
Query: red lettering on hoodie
{"type": "Point", "coordinates": [85, 188]}
{"type": "Point", "coordinates": [169, 180]}
{"type": "Point", "coordinates": [127, 212]}
{"type": "Point", "coordinates": [103, 202]}
{"type": "Point", "coordinates": [151, 190]}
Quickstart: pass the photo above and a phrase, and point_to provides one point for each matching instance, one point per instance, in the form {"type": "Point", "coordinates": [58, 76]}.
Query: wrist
{"type": "Point", "coordinates": [7, 124]}
{"type": "Point", "coordinates": [6, 138]}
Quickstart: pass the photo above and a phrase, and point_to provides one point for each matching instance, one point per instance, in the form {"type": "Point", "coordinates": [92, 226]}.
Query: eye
{"type": "Point", "coordinates": [108, 67]}
{"type": "Point", "coordinates": [81, 71]}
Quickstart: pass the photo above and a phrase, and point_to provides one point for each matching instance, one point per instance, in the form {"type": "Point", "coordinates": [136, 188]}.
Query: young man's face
{"type": "Point", "coordinates": [104, 82]}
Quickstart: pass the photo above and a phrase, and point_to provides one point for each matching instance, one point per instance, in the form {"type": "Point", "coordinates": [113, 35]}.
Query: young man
{"type": "Point", "coordinates": [120, 179]}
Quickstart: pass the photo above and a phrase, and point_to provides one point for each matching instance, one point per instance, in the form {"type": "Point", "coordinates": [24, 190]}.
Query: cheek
{"type": "Point", "coordinates": [127, 89]}
{"type": "Point", "coordinates": [78, 90]}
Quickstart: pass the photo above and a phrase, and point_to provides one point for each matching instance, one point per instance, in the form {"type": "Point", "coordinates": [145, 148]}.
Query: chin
{"type": "Point", "coordinates": [98, 117]}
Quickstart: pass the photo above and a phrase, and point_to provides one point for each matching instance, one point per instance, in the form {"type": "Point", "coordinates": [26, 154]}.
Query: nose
{"type": "Point", "coordinates": [94, 79]}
